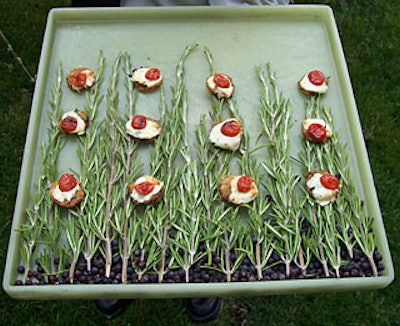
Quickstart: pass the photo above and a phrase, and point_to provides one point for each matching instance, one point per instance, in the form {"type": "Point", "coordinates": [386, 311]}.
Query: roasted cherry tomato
{"type": "Point", "coordinates": [144, 188]}
{"type": "Point", "coordinates": [139, 122]}
{"type": "Point", "coordinates": [231, 128]}
{"type": "Point", "coordinates": [244, 183]}
{"type": "Point", "coordinates": [222, 81]}
{"type": "Point", "coordinates": [79, 79]}
{"type": "Point", "coordinates": [152, 74]}
{"type": "Point", "coordinates": [67, 182]}
{"type": "Point", "coordinates": [69, 124]}
{"type": "Point", "coordinates": [316, 77]}
{"type": "Point", "coordinates": [317, 132]}
{"type": "Point", "coordinates": [329, 181]}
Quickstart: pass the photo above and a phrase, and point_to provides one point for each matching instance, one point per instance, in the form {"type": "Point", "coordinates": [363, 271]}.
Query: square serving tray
{"type": "Point", "coordinates": [293, 39]}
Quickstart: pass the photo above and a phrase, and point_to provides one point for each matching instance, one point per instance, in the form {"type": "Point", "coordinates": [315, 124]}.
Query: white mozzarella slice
{"type": "Point", "coordinates": [240, 198]}
{"type": "Point", "coordinates": [218, 139]}
{"type": "Point", "coordinates": [151, 131]}
{"type": "Point", "coordinates": [308, 122]}
{"type": "Point", "coordinates": [308, 86]}
{"type": "Point", "coordinates": [139, 76]}
{"type": "Point", "coordinates": [322, 195]}
{"type": "Point", "coordinates": [62, 196]}
{"type": "Point", "coordinates": [220, 92]}
{"type": "Point", "coordinates": [158, 185]}
{"type": "Point", "coordinates": [80, 127]}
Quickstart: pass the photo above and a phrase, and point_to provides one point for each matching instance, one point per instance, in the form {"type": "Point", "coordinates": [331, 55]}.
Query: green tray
{"type": "Point", "coordinates": [294, 39]}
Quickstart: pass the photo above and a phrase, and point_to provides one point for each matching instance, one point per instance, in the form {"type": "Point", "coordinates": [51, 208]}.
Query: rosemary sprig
{"type": "Point", "coordinates": [332, 244]}
{"type": "Point", "coordinates": [311, 158]}
{"type": "Point", "coordinates": [346, 222]}
{"type": "Point", "coordinates": [88, 171]}
{"type": "Point", "coordinates": [95, 220]}
{"type": "Point", "coordinates": [281, 182]}
{"type": "Point", "coordinates": [358, 222]}
{"type": "Point", "coordinates": [133, 167]}
{"type": "Point", "coordinates": [165, 158]}
{"type": "Point", "coordinates": [335, 159]}
{"type": "Point", "coordinates": [188, 235]}
{"type": "Point", "coordinates": [207, 157]}
{"type": "Point", "coordinates": [230, 231]}
{"type": "Point", "coordinates": [31, 232]}
{"type": "Point", "coordinates": [113, 129]}
{"type": "Point", "coordinates": [50, 237]}
{"type": "Point", "coordinates": [42, 218]}
{"type": "Point", "coordinates": [258, 243]}
{"type": "Point", "coordinates": [147, 256]}
{"type": "Point", "coordinates": [189, 231]}
{"type": "Point", "coordinates": [45, 262]}
{"type": "Point", "coordinates": [162, 167]}
{"type": "Point", "coordinates": [74, 241]}
{"type": "Point", "coordinates": [54, 146]}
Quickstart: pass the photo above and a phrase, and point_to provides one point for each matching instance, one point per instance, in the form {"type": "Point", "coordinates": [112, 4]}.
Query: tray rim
{"type": "Point", "coordinates": [58, 15]}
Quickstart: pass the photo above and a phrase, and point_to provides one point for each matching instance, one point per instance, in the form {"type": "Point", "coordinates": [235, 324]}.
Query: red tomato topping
{"type": "Point", "coordinates": [231, 128]}
{"type": "Point", "coordinates": [244, 183]}
{"type": "Point", "coordinates": [316, 77]}
{"type": "Point", "coordinates": [222, 81]}
{"type": "Point", "coordinates": [144, 188]}
{"type": "Point", "coordinates": [152, 74]}
{"type": "Point", "coordinates": [79, 79]}
{"type": "Point", "coordinates": [69, 124]}
{"type": "Point", "coordinates": [317, 132]}
{"type": "Point", "coordinates": [329, 181]}
{"type": "Point", "coordinates": [139, 122]}
{"type": "Point", "coordinates": [67, 182]}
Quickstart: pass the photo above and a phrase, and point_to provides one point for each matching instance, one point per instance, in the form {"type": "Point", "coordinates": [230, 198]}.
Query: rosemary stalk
{"type": "Point", "coordinates": [209, 195]}
{"type": "Point", "coordinates": [133, 167]}
{"type": "Point", "coordinates": [337, 160]}
{"type": "Point", "coordinates": [258, 243]}
{"type": "Point", "coordinates": [356, 226]}
{"type": "Point", "coordinates": [345, 222]}
{"type": "Point", "coordinates": [74, 240]}
{"type": "Point", "coordinates": [214, 165]}
{"type": "Point", "coordinates": [332, 245]}
{"type": "Point", "coordinates": [282, 181]}
{"type": "Point", "coordinates": [113, 129]}
{"type": "Point", "coordinates": [165, 158]}
{"type": "Point", "coordinates": [188, 235]}
{"type": "Point", "coordinates": [231, 253]}
{"type": "Point", "coordinates": [55, 143]}
{"type": "Point", "coordinates": [42, 219]}
{"type": "Point", "coordinates": [88, 171]}
{"type": "Point", "coordinates": [149, 219]}
{"type": "Point", "coordinates": [312, 159]}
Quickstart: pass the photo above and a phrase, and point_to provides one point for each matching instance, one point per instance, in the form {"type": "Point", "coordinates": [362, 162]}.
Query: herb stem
{"type": "Point", "coordinates": [131, 170]}
{"type": "Point", "coordinates": [280, 181]}
{"type": "Point", "coordinates": [112, 121]}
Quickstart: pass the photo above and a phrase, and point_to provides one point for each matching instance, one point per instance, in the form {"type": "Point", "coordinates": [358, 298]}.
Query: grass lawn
{"type": "Point", "coordinates": [370, 32]}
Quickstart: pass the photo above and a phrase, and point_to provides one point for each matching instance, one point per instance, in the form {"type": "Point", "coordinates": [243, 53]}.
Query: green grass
{"type": "Point", "coordinates": [370, 35]}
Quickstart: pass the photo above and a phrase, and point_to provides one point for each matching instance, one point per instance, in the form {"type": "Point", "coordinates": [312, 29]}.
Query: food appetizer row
{"type": "Point", "coordinates": [225, 134]}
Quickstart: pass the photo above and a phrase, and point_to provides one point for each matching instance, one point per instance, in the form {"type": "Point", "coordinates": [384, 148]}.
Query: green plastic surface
{"type": "Point", "coordinates": [294, 39]}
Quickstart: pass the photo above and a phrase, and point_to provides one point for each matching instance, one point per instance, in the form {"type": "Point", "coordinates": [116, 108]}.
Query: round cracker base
{"type": "Point", "coordinates": [79, 196]}
{"type": "Point", "coordinates": [152, 200]}
{"type": "Point", "coordinates": [145, 89]}
{"type": "Point", "coordinates": [70, 83]}
{"type": "Point", "coordinates": [225, 187]}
